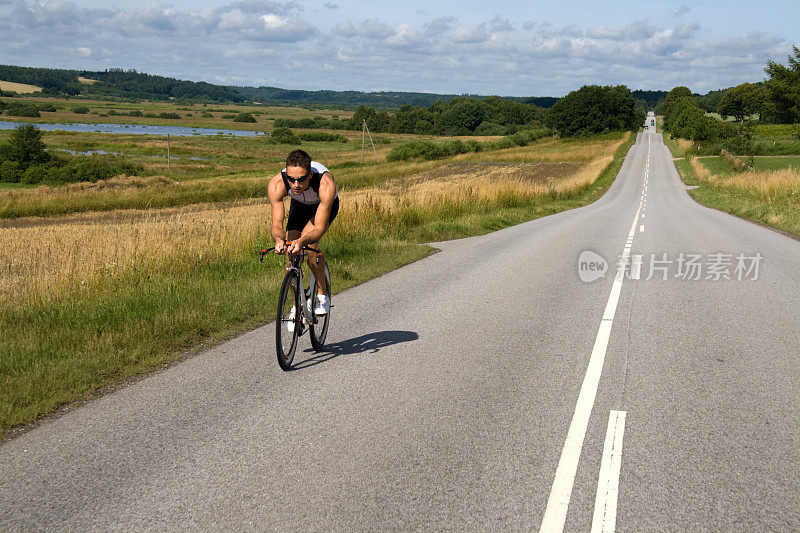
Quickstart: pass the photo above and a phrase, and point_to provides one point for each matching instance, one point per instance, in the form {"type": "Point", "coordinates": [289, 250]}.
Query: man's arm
{"type": "Point", "coordinates": [277, 192]}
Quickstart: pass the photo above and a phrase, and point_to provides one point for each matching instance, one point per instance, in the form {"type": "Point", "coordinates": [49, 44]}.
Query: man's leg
{"type": "Point", "coordinates": [316, 262]}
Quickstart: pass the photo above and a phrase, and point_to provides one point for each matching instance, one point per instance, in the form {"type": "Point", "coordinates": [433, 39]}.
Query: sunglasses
{"type": "Point", "coordinates": [290, 179]}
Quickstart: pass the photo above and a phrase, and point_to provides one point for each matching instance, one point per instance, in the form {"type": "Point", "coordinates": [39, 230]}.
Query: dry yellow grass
{"type": "Point", "coordinates": [87, 81]}
{"type": "Point", "coordinates": [43, 258]}
{"type": "Point", "coordinates": [700, 170]}
{"type": "Point", "coordinates": [20, 88]}
{"type": "Point", "coordinates": [775, 183]}
{"type": "Point", "coordinates": [490, 183]}
{"type": "Point", "coordinates": [40, 261]}
{"type": "Point", "coordinates": [780, 183]}
{"type": "Point", "coordinates": [683, 144]}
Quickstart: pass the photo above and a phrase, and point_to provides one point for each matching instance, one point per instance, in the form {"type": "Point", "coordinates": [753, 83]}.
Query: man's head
{"type": "Point", "coordinates": [298, 158]}
{"type": "Point", "coordinates": [298, 167]}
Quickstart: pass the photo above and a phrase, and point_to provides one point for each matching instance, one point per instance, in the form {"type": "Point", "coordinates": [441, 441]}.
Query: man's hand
{"type": "Point", "coordinates": [296, 247]}
{"type": "Point", "coordinates": [280, 246]}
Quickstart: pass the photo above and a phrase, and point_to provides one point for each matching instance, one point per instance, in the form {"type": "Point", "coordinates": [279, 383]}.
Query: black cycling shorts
{"type": "Point", "coordinates": [301, 214]}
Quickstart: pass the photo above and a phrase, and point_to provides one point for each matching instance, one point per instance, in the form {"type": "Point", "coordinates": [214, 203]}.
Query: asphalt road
{"type": "Point", "coordinates": [450, 386]}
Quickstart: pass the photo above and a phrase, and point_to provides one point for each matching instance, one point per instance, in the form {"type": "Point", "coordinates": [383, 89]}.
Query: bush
{"type": "Point", "coordinates": [322, 137]}
{"type": "Point", "coordinates": [81, 110]}
{"type": "Point", "coordinates": [23, 110]}
{"type": "Point", "coordinates": [283, 136]}
{"type": "Point", "coordinates": [229, 116]}
{"type": "Point", "coordinates": [244, 117]}
{"type": "Point", "coordinates": [428, 150]}
{"type": "Point", "coordinates": [81, 168]}
{"type": "Point", "coordinates": [47, 108]}
{"type": "Point", "coordinates": [206, 114]}
{"type": "Point", "coordinates": [150, 115]}
{"type": "Point", "coordinates": [136, 113]}
{"type": "Point", "coordinates": [490, 128]}
{"type": "Point", "coordinates": [10, 172]}
{"type": "Point", "coordinates": [174, 116]}
{"type": "Point", "coordinates": [284, 123]}
{"type": "Point", "coordinates": [423, 127]}
{"type": "Point", "coordinates": [25, 146]}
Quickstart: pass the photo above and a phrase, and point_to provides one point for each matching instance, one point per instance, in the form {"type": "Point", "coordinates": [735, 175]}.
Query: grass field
{"type": "Point", "coordinates": [191, 115]}
{"type": "Point", "coordinates": [719, 167]}
{"type": "Point", "coordinates": [20, 88]}
{"type": "Point", "coordinates": [100, 294]}
{"type": "Point", "coordinates": [769, 195]}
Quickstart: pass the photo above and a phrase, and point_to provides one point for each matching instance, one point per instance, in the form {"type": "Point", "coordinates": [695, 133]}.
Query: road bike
{"type": "Point", "coordinates": [295, 307]}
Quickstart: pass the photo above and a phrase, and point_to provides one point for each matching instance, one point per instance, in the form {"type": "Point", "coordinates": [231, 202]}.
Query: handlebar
{"type": "Point", "coordinates": [288, 243]}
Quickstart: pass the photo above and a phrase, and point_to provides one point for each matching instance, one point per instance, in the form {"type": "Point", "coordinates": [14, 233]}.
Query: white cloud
{"type": "Point", "coordinates": [498, 24]}
{"type": "Point", "coordinates": [274, 22]}
{"type": "Point", "coordinates": [470, 34]}
{"type": "Point", "coordinates": [267, 42]}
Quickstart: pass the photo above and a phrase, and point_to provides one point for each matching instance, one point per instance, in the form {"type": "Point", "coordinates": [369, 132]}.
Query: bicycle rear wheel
{"type": "Point", "coordinates": [320, 330]}
{"type": "Point", "coordinates": [287, 323]}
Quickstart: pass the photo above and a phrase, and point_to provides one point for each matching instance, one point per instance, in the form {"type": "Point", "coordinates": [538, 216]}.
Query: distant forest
{"type": "Point", "coordinates": [128, 84]}
{"type": "Point", "coordinates": [383, 100]}
{"type": "Point", "coordinates": [117, 83]}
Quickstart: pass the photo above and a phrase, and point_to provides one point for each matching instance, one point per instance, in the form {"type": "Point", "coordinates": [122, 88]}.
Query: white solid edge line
{"type": "Point", "coordinates": [605, 503]}
{"type": "Point", "coordinates": [555, 514]}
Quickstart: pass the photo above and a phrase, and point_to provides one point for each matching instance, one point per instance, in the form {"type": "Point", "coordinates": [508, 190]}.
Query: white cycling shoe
{"type": "Point", "coordinates": [290, 324]}
{"type": "Point", "coordinates": [323, 305]}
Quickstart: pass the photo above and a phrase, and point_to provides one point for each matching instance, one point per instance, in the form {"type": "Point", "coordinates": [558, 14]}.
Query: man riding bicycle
{"type": "Point", "coordinates": [314, 205]}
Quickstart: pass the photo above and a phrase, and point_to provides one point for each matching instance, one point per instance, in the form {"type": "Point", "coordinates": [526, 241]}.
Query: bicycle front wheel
{"type": "Point", "coordinates": [320, 330]}
{"type": "Point", "coordinates": [287, 323]}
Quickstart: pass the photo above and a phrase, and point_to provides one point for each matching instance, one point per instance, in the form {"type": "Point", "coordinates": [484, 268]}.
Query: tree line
{"type": "Point", "coordinates": [589, 110]}
{"type": "Point", "coordinates": [776, 100]}
{"type": "Point", "coordinates": [117, 82]}
{"type": "Point", "coordinates": [773, 101]}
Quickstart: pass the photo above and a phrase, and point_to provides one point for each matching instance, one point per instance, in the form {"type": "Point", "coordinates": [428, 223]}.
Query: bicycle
{"type": "Point", "coordinates": [295, 308]}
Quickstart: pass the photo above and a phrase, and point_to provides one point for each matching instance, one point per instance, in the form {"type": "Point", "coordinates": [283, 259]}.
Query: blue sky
{"type": "Point", "coordinates": [514, 48]}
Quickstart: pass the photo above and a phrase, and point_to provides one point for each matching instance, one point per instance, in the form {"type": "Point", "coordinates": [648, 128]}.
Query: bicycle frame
{"type": "Point", "coordinates": [294, 263]}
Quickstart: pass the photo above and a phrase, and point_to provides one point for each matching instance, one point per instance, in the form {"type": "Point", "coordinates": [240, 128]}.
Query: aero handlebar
{"type": "Point", "coordinates": [288, 243]}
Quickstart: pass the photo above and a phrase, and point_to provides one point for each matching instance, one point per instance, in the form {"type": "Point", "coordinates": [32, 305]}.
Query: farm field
{"type": "Point", "coordinates": [21, 88]}
{"type": "Point", "coordinates": [103, 282]}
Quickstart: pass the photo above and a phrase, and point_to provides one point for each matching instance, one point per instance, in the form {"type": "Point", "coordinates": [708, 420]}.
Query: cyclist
{"type": "Point", "coordinates": [314, 205]}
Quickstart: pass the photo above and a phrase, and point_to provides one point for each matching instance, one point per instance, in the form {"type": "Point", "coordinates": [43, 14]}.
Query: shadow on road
{"type": "Point", "coordinates": [371, 342]}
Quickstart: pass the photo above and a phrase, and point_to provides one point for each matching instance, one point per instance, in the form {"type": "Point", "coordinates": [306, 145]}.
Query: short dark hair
{"type": "Point", "coordinates": [298, 158]}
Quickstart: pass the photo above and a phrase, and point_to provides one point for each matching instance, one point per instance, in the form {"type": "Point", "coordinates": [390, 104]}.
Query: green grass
{"type": "Point", "coordinates": [777, 211]}
{"type": "Point", "coordinates": [673, 146]}
{"type": "Point", "coordinates": [72, 347]}
{"type": "Point", "coordinates": [264, 115]}
{"type": "Point", "coordinates": [718, 166]}
{"type": "Point", "coordinates": [776, 131]}
{"type": "Point", "coordinates": [68, 349]}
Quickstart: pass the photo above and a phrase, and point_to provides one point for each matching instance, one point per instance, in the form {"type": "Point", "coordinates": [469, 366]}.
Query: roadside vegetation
{"type": "Point", "coordinates": [91, 298]}
{"type": "Point", "coordinates": [769, 195]}
{"type": "Point", "coordinates": [748, 168]}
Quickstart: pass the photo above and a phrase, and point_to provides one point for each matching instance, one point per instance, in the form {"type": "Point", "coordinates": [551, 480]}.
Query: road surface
{"type": "Point", "coordinates": [491, 386]}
